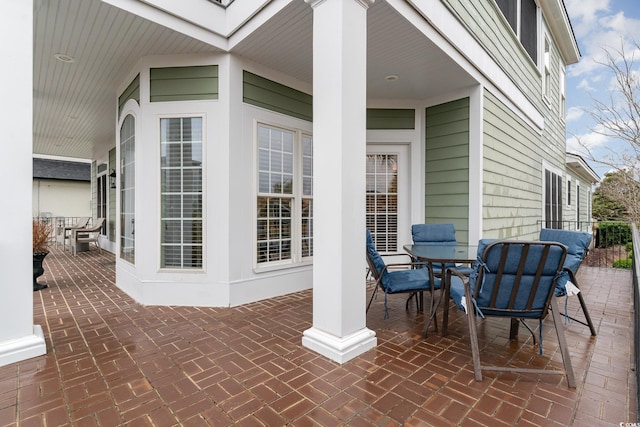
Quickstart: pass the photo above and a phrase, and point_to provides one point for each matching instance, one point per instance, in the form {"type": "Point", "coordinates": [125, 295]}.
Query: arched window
{"type": "Point", "coordinates": [128, 189]}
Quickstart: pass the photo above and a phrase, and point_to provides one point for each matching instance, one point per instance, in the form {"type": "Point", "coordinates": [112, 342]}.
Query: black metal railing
{"type": "Point", "coordinates": [586, 226]}
{"type": "Point", "coordinates": [611, 245]}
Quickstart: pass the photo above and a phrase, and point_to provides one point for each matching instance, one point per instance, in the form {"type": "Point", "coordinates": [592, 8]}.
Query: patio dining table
{"type": "Point", "coordinates": [440, 254]}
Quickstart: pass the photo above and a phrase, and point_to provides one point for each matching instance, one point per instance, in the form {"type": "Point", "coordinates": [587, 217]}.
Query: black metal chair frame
{"type": "Point", "coordinates": [388, 267]}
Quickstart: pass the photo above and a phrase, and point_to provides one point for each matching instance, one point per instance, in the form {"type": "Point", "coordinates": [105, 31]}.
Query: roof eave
{"type": "Point", "coordinates": [559, 23]}
{"type": "Point", "coordinates": [582, 167]}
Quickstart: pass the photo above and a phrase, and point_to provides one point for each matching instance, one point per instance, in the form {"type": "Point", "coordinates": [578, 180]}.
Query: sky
{"type": "Point", "coordinates": [597, 25]}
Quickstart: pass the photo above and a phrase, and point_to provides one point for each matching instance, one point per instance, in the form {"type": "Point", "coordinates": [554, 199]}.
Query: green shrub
{"type": "Point", "coordinates": [611, 233]}
{"type": "Point", "coordinates": [623, 263]}
{"type": "Point", "coordinates": [629, 248]}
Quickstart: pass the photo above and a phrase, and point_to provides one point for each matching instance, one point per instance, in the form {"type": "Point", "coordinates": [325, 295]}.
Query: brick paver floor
{"type": "Point", "coordinates": [111, 361]}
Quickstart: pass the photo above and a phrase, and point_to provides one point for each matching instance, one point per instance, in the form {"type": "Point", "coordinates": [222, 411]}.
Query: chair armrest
{"type": "Point", "coordinates": [572, 276]}
{"type": "Point", "coordinates": [398, 254]}
{"type": "Point", "coordinates": [468, 294]}
{"type": "Point", "coordinates": [455, 272]}
{"type": "Point", "coordinates": [467, 297]}
{"type": "Point", "coordinates": [404, 264]}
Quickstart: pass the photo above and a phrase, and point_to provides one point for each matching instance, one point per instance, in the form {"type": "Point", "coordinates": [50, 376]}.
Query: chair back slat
{"type": "Point", "coordinates": [515, 287]}
{"type": "Point", "coordinates": [538, 277]}
{"type": "Point", "coordinates": [498, 277]}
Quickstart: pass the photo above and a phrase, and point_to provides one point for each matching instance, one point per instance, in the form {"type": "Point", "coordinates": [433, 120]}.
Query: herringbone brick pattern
{"type": "Point", "coordinates": [111, 362]}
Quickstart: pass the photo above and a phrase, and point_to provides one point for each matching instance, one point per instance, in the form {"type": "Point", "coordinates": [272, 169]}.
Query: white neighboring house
{"type": "Point", "coordinates": [61, 188]}
{"type": "Point", "coordinates": [580, 182]}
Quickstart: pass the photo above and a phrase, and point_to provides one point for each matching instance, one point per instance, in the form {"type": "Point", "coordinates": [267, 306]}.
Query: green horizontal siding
{"type": "Point", "coordinates": [384, 118]}
{"type": "Point", "coordinates": [184, 83]}
{"type": "Point", "coordinates": [131, 92]}
{"type": "Point", "coordinates": [485, 22]}
{"type": "Point", "coordinates": [447, 166]}
{"type": "Point", "coordinates": [512, 190]}
{"type": "Point", "coordinates": [276, 97]}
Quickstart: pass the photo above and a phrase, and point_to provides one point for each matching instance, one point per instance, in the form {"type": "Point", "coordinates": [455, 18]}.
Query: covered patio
{"type": "Point", "coordinates": [111, 361]}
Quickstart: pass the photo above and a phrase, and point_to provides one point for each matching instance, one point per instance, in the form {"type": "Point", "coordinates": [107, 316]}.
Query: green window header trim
{"type": "Point", "coordinates": [184, 83]}
{"type": "Point", "coordinates": [383, 118]}
{"type": "Point", "coordinates": [131, 92]}
{"type": "Point", "coordinates": [276, 97]}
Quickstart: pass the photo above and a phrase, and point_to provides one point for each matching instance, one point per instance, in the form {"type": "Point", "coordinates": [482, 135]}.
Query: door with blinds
{"type": "Point", "coordinates": [388, 204]}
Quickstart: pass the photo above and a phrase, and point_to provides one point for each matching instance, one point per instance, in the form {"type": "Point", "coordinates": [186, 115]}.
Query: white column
{"type": "Point", "coordinates": [19, 338]}
{"type": "Point", "coordinates": [339, 329]}
{"type": "Point", "coordinates": [476, 164]}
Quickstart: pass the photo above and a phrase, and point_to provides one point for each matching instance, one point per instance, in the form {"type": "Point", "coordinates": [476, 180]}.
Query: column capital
{"type": "Point", "coordinates": [363, 3]}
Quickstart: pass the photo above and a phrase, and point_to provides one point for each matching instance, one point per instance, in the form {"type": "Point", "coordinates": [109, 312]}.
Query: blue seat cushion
{"type": "Point", "coordinates": [437, 234]}
{"type": "Point", "coordinates": [457, 286]}
{"type": "Point", "coordinates": [396, 281]}
{"type": "Point", "coordinates": [434, 234]}
{"type": "Point", "coordinates": [577, 244]}
{"type": "Point", "coordinates": [373, 253]}
{"type": "Point", "coordinates": [408, 281]}
{"type": "Point", "coordinates": [456, 291]}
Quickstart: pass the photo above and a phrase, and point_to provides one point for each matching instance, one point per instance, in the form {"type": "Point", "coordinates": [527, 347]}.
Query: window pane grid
{"type": "Point", "coordinates": [275, 161]}
{"type": "Point", "coordinates": [382, 200]}
{"type": "Point", "coordinates": [307, 165]}
{"type": "Point", "coordinates": [274, 229]}
{"type": "Point", "coordinates": [284, 217]}
{"type": "Point", "coordinates": [181, 193]}
{"type": "Point", "coordinates": [307, 227]}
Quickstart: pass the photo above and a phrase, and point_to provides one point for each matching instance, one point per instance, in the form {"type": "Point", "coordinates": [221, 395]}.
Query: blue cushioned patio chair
{"type": "Point", "coordinates": [577, 244]}
{"type": "Point", "coordinates": [396, 278]}
{"type": "Point", "coordinates": [437, 234]}
{"type": "Point", "coordinates": [515, 280]}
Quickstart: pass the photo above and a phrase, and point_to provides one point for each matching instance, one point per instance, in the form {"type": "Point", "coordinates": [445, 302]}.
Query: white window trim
{"type": "Point", "coordinates": [546, 69]}
{"type": "Point", "coordinates": [577, 200]}
{"type": "Point", "coordinates": [125, 113]}
{"type": "Point", "coordinates": [569, 193]}
{"type": "Point", "coordinates": [203, 269]}
{"type": "Point", "coordinates": [296, 259]}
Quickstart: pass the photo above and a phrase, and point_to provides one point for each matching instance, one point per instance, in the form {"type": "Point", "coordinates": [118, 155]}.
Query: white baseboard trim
{"type": "Point", "coordinates": [18, 349]}
{"type": "Point", "coordinates": [339, 349]}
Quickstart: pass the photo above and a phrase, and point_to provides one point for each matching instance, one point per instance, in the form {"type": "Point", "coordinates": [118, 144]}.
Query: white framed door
{"type": "Point", "coordinates": [388, 196]}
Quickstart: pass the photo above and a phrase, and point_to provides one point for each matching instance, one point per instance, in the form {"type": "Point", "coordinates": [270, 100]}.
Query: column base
{"type": "Point", "coordinates": [339, 349]}
{"type": "Point", "coordinates": [12, 351]}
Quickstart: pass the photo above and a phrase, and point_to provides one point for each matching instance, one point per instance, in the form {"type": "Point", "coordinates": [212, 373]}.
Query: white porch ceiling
{"type": "Point", "coordinates": [74, 103]}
